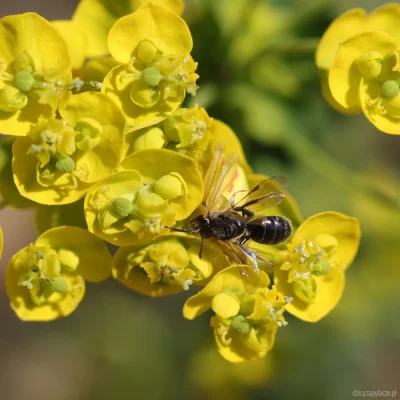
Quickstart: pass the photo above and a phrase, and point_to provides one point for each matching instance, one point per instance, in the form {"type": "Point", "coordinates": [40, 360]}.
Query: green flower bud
{"type": "Point", "coordinates": [122, 207]}
{"type": "Point", "coordinates": [321, 268]}
{"type": "Point", "coordinates": [23, 81]}
{"type": "Point", "coordinates": [59, 285]}
{"type": "Point", "coordinates": [147, 51]}
{"type": "Point", "coordinates": [390, 89]}
{"type": "Point", "coordinates": [305, 289]}
{"type": "Point", "coordinates": [64, 164]}
{"type": "Point", "coordinates": [12, 99]}
{"type": "Point", "coordinates": [241, 324]}
{"type": "Point", "coordinates": [151, 76]}
{"type": "Point", "coordinates": [152, 138]}
{"type": "Point", "coordinates": [24, 63]}
{"type": "Point", "coordinates": [170, 186]}
{"type": "Point", "coordinates": [370, 64]}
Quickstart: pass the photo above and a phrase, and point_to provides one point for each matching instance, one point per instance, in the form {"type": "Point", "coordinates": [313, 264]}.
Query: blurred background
{"type": "Point", "coordinates": [257, 73]}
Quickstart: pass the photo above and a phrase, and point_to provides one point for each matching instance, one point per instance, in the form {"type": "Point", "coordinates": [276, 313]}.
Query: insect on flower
{"type": "Point", "coordinates": [232, 224]}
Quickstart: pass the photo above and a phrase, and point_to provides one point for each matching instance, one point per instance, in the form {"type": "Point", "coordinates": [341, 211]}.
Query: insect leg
{"type": "Point", "coordinates": [201, 247]}
{"type": "Point", "coordinates": [181, 230]}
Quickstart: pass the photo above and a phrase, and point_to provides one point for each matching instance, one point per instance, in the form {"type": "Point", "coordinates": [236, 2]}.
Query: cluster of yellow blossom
{"type": "Point", "coordinates": [109, 129]}
{"type": "Point", "coordinates": [359, 62]}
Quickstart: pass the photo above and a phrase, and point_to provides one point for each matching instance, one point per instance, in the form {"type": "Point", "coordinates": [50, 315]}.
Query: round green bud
{"type": "Point", "coordinates": [122, 207]}
{"type": "Point", "coordinates": [147, 51]}
{"type": "Point", "coordinates": [152, 138]}
{"type": "Point", "coordinates": [59, 285]}
{"type": "Point", "coordinates": [64, 164]}
{"type": "Point", "coordinates": [169, 186]}
{"type": "Point", "coordinates": [370, 64]}
{"type": "Point", "coordinates": [146, 97]}
{"type": "Point", "coordinates": [12, 99]}
{"type": "Point", "coordinates": [151, 76]}
{"type": "Point", "coordinates": [23, 81]}
{"type": "Point", "coordinates": [305, 289]}
{"type": "Point", "coordinates": [240, 324]}
{"type": "Point", "coordinates": [321, 268]}
{"type": "Point", "coordinates": [390, 89]}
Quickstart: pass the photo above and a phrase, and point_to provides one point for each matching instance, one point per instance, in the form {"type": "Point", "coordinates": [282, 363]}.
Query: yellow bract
{"type": "Point", "coordinates": [61, 158]}
{"type": "Point", "coordinates": [153, 44]}
{"type": "Point", "coordinates": [314, 262]}
{"type": "Point", "coordinates": [359, 65]}
{"type": "Point", "coordinates": [46, 280]}
{"type": "Point", "coordinates": [75, 37]}
{"type": "Point", "coordinates": [153, 189]}
{"type": "Point", "coordinates": [35, 70]}
{"type": "Point", "coordinates": [96, 18]}
{"type": "Point", "coordinates": [167, 265]}
{"type": "Point", "coordinates": [244, 324]}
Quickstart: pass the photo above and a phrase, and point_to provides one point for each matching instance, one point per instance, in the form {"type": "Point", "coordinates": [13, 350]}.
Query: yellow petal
{"type": "Point", "coordinates": [149, 21]}
{"type": "Point", "coordinates": [371, 89]}
{"type": "Point", "coordinates": [385, 18]}
{"type": "Point", "coordinates": [94, 258]}
{"type": "Point", "coordinates": [155, 163]}
{"type": "Point", "coordinates": [342, 28]}
{"type": "Point", "coordinates": [329, 290]}
{"type": "Point", "coordinates": [344, 76]}
{"type": "Point", "coordinates": [76, 39]}
{"type": "Point", "coordinates": [346, 230]}
{"type": "Point", "coordinates": [225, 305]}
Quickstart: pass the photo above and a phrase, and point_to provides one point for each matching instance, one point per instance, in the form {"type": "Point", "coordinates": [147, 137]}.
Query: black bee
{"type": "Point", "coordinates": [231, 225]}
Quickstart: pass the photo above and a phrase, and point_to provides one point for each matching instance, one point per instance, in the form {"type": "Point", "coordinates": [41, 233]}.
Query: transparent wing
{"type": "Point", "coordinates": [268, 193]}
{"type": "Point", "coordinates": [248, 266]}
{"type": "Point", "coordinates": [216, 173]}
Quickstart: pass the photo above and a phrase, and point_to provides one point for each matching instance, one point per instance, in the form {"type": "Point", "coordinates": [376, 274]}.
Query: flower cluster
{"type": "Point", "coordinates": [359, 63]}
{"type": "Point", "coordinates": [106, 153]}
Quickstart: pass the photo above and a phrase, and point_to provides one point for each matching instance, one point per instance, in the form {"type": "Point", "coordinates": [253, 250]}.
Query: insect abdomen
{"type": "Point", "coordinates": [269, 230]}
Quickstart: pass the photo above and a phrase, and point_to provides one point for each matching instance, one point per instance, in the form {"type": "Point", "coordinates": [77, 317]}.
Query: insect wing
{"type": "Point", "coordinates": [268, 193]}
{"type": "Point", "coordinates": [248, 267]}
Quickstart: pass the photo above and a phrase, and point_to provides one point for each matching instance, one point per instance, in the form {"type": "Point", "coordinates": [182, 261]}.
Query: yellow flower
{"type": "Point", "coordinates": [167, 266]}
{"type": "Point", "coordinates": [46, 280]}
{"type": "Point", "coordinates": [96, 18]}
{"type": "Point", "coordinates": [35, 72]}
{"type": "Point", "coordinates": [359, 67]}
{"type": "Point", "coordinates": [153, 45]}
{"type": "Point", "coordinates": [187, 131]}
{"type": "Point", "coordinates": [312, 273]}
{"type": "Point", "coordinates": [153, 189]}
{"type": "Point", "coordinates": [244, 324]}
{"type": "Point", "coordinates": [61, 158]}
